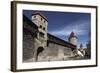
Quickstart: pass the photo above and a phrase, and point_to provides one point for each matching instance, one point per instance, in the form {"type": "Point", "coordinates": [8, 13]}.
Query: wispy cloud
{"type": "Point", "coordinates": [80, 27]}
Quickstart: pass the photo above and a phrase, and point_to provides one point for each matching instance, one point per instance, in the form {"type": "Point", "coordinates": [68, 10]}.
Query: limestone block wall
{"type": "Point", "coordinates": [58, 52]}
{"type": "Point", "coordinates": [52, 52]}
{"type": "Point", "coordinates": [28, 48]}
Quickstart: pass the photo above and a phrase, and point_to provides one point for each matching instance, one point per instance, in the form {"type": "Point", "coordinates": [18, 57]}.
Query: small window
{"type": "Point", "coordinates": [41, 19]}
{"type": "Point", "coordinates": [43, 28]}
{"type": "Point", "coordinates": [41, 34]}
{"type": "Point", "coordinates": [44, 21]}
{"type": "Point", "coordinates": [40, 26]}
{"type": "Point", "coordinates": [34, 16]}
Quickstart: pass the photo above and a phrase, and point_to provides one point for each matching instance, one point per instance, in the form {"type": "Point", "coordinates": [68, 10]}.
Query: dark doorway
{"type": "Point", "coordinates": [39, 50]}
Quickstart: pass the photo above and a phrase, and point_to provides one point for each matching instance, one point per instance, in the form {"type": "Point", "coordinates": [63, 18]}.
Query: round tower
{"type": "Point", "coordinates": [73, 38]}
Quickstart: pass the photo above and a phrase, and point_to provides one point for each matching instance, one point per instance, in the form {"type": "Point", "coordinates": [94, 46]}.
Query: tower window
{"type": "Point", "coordinates": [40, 26]}
{"type": "Point", "coordinates": [41, 19]}
{"type": "Point", "coordinates": [43, 28]}
{"type": "Point", "coordinates": [41, 34]}
{"type": "Point", "coordinates": [44, 21]}
{"type": "Point", "coordinates": [34, 16]}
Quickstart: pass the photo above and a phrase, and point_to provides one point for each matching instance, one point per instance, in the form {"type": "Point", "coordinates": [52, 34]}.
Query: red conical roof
{"type": "Point", "coordinates": [72, 34]}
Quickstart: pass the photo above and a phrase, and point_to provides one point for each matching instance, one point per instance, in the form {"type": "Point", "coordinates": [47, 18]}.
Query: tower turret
{"type": "Point", "coordinates": [73, 38]}
{"type": "Point", "coordinates": [41, 21]}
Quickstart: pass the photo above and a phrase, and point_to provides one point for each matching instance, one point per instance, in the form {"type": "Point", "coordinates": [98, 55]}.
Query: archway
{"type": "Point", "coordinates": [39, 50]}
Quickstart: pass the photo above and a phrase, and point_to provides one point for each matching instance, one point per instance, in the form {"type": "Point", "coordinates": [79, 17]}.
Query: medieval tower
{"type": "Point", "coordinates": [41, 21]}
{"type": "Point", "coordinates": [73, 38]}
{"type": "Point", "coordinates": [41, 38]}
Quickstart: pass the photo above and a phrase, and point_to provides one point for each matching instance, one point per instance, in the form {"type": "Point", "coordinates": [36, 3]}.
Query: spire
{"type": "Point", "coordinates": [81, 45]}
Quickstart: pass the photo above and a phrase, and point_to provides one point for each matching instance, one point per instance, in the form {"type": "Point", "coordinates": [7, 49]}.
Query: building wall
{"type": "Point", "coordinates": [58, 52]}
{"type": "Point", "coordinates": [28, 48]}
{"type": "Point", "coordinates": [52, 52]}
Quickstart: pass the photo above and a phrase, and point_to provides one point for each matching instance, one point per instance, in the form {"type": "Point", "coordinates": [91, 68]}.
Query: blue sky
{"type": "Point", "coordinates": [61, 24]}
